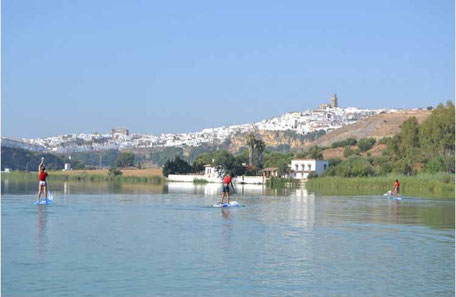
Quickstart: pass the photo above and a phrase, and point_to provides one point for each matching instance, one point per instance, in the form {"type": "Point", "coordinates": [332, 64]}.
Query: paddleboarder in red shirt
{"type": "Point", "coordinates": [227, 181]}
{"type": "Point", "coordinates": [42, 180]}
{"type": "Point", "coordinates": [397, 185]}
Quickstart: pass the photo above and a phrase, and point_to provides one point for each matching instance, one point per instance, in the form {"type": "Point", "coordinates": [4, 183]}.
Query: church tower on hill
{"type": "Point", "coordinates": [333, 102]}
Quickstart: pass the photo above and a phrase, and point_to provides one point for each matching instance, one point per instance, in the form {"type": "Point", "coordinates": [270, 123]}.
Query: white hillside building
{"type": "Point", "coordinates": [301, 168]}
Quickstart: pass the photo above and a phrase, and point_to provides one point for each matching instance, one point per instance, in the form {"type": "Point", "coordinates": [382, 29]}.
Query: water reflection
{"type": "Point", "coordinates": [213, 189]}
{"type": "Point", "coordinates": [5, 184]}
{"type": "Point", "coordinates": [66, 188]}
{"type": "Point", "coordinates": [250, 189]}
{"type": "Point", "coordinates": [227, 229]}
{"type": "Point", "coordinates": [74, 187]}
{"type": "Point", "coordinates": [41, 224]}
{"type": "Point", "coordinates": [395, 207]}
{"type": "Point", "coordinates": [225, 213]}
{"type": "Point", "coordinates": [302, 208]}
{"type": "Point", "coordinates": [78, 187]}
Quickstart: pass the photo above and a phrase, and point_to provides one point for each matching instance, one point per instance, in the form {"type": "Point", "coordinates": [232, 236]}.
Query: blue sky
{"type": "Point", "coordinates": [180, 66]}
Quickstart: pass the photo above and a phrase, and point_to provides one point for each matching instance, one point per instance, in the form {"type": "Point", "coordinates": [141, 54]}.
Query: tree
{"type": "Point", "coordinates": [176, 166]}
{"type": "Point", "coordinates": [20, 159]}
{"type": "Point", "coordinates": [405, 144]}
{"type": "Point", "coordinates": [260, 146]}
{"type": "Point", "coordinates": [251, 142]}
{"type": "Point", "coordinates": [348, 151]}
{"type": "Point", "coordinates": [114, 172]}
{"type": "Point", "coordinates": [315, 153]}
{"type": "Point", "coordinates": [349, 141]}
{"type": "Point", "coordinates": [125, 160]}
{"type": "Point", "coordinates": [226, 163]}
{"type": "Point", "coordinates": [163, 155]}
{"type": "Point", "coordinates": [384, 140]}
{"type": "Point", "coordinates": [201, 160]}
{"type": "Point", "coordinates": [332, 162]}
{"type": "Point", "coordinates": [437, 137]}
{"type": "Point", "coordinates": [409, 135]}
{"type": "Point", "coordinates": [282, 168]}
{"type": "Point", "coordinates": [365, 144]}
{"type": "Point", "coordinates": [354, 166]}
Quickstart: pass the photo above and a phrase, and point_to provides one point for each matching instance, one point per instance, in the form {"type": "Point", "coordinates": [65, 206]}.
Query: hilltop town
{"type": "Point", "coordinates": [327, 117]}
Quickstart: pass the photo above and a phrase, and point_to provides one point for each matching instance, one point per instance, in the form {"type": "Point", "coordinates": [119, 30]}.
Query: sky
{"type": "Point", "coordinates": [73, 66]}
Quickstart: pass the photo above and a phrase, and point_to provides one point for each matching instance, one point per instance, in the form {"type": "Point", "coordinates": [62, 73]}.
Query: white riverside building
{"type": "Point", "coordinates": [301, 168]}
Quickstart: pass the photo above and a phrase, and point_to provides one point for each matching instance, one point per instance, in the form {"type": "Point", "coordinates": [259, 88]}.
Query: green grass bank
{"type": "Point", "coordinates": [84, 177]}
{"type": "Point", "coordinates": [278, 183]}
{"type": "Point", "coordinates": [438, 185]}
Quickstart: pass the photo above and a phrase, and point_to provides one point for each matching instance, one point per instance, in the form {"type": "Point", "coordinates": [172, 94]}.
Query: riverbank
{"type": "Point", "coordinates": [279, 183]}
{"type": "Point", "coordinates": [438, 185]}
{"type": "Point", "coordinates": [128, 176]}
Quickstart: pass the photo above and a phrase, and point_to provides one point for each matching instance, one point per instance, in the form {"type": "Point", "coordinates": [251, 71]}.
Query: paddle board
{"type": "Point", "coordinates": [43, 202]}
{"type": "Point", "coordinates": [231, 204]}
{"type": "Point", "coordinates": [391, 196]}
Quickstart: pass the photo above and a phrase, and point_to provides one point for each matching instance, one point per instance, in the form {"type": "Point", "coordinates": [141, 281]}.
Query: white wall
{"type": "Point", "coordinates": [249, 179]}
{"type": "Point", "coordinates": [190, 177]}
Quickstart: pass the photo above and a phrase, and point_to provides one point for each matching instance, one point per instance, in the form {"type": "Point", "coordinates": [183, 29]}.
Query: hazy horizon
{"type": "Point", "coordinates": [155, 67]}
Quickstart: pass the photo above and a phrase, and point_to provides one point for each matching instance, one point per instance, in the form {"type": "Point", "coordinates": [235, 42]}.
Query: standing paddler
{"type": "Point", "coordinates": [42, 180]}
{"type": "Point", "coordinates": [227, 181]}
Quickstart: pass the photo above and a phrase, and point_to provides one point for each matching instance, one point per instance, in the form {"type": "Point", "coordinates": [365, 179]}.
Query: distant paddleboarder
{"type": "Point", "coordinates": [397, 186]}
{"type": "Point", "coordinates": [42, 180]}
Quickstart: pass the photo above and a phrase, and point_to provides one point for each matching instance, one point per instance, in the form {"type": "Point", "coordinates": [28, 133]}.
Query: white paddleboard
{"type": "Point", "coordinates": [390, 196]}
{"type": "Point", "coordinates": [231, 204]}
{"type": "Point", "coordinates": [43, 202]}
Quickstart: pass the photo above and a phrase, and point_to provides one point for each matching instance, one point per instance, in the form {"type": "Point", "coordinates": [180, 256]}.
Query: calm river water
{"type": "Point", "coordinates": [143, 240]}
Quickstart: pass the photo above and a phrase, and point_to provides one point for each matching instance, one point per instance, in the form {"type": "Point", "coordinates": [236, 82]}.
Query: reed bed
{"type": "Point", "coordinates": [435, 185]}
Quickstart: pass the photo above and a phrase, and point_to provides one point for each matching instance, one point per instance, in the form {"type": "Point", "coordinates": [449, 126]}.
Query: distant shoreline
{"type": "Point", "coordinates": [153, 176]}
{"type": "Point", "coordinates": [440, 185]}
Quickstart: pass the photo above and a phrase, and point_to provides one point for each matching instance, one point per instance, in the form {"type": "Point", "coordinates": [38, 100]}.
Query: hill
{"type": "Point", "coordinates": [293, 129]}
{"type": "Point", "coordinates": [377, 126]}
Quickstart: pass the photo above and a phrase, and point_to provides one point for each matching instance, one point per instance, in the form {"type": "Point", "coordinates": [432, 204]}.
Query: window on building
{"type": "Point", "coordinates": [309, 166]}
{"type": "Point", "coordinates": [324, 167]}
{"type": "Point", "coordinates": [297, 167]}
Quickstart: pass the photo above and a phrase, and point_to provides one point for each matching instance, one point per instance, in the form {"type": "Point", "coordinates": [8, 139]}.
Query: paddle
{"type": "Point", "coordinates": [234, 191]}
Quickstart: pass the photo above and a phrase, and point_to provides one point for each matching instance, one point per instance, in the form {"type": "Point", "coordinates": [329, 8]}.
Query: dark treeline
{"type": "Point", "coordinates": [20, 159]}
